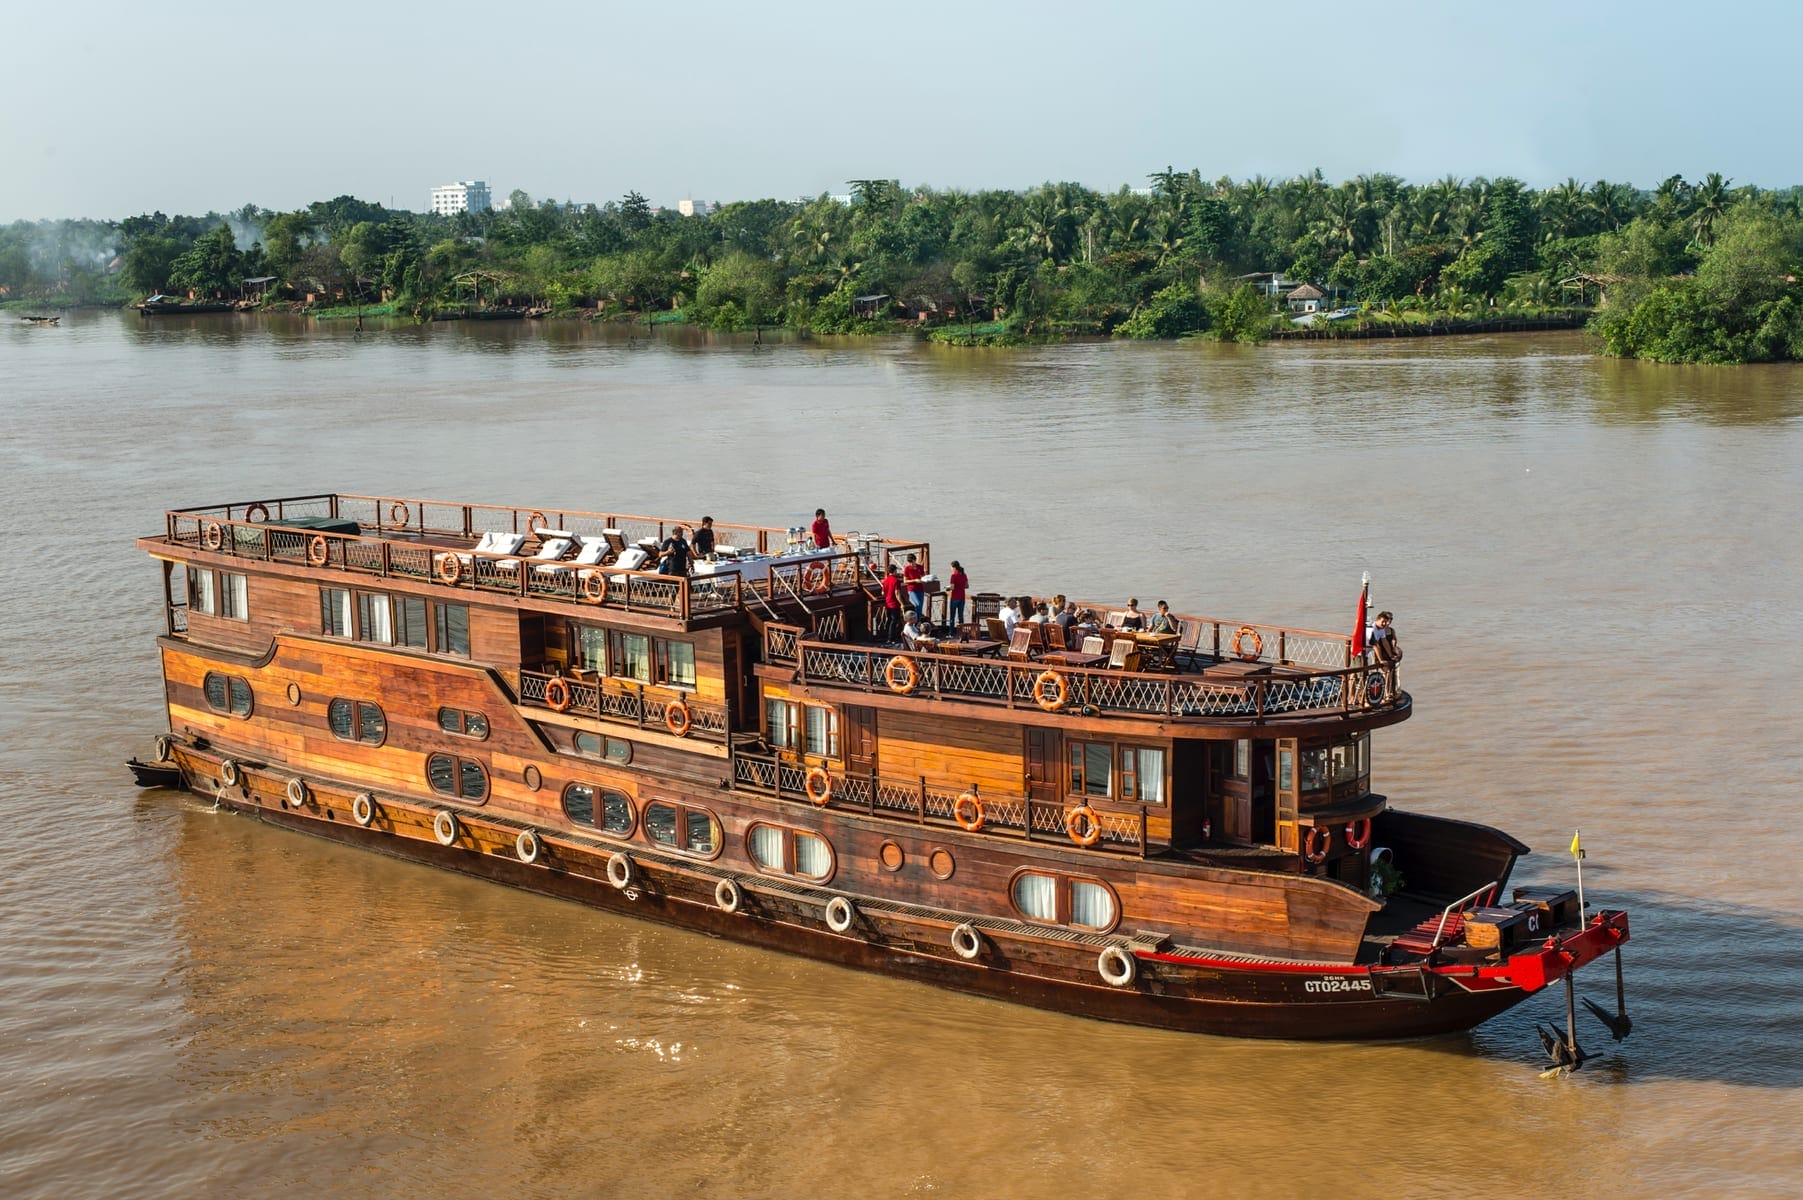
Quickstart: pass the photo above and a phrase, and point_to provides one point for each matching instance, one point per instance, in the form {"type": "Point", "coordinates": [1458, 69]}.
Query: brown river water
{"type": "Point", "coordinates": [1595, 569]}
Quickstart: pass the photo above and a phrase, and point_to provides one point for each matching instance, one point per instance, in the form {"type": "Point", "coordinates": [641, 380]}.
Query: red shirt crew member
{"type": "Point", "coordinates": [823, 532]}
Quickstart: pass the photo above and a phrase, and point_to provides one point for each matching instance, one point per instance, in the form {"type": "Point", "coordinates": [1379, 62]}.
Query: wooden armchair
{"type": "Point", "coordinates": [1021, 648]}
{"type": "Point", "coordinates": [1123, 655]}
{"type": "Point", "coordinates": [994, 629]}
{"type": "Point", "coordinates": [1054, 636]}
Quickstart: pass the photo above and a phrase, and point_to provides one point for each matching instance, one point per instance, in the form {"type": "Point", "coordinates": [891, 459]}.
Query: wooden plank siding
{"type": "Point", "coordinates": [951, 755]}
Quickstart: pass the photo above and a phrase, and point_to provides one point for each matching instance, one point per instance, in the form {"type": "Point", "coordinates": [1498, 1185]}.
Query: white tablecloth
{"type": "Point", "coordinates": [752, 570]}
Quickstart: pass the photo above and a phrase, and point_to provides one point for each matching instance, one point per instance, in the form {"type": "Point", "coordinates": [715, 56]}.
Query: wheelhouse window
{"type": "Point", "coordinates": [356, 721]}
{"type": "Point", "coordinates": [234, 596]}
{"type": "Point", "coordinates": [462, 778]}
{"type": "Point", "coordinates": [227, 693]}
{"type": "Point", "coordinates": [597, 745]}
{"type": "Point", "coordinates": [1116, 771]}
{"type": "Point", "coordinates": [689, 830]}
{"type": "Point", "coordinates": [1063, 900]}
{"type": "Point", "coordinates": [600, 808]}
{"type": "Point", "coordinates": [807, 728]}
{"type": "Point", "coordinates": [463, 722]}
{"type": "Point", "coordinates": [782, 851]}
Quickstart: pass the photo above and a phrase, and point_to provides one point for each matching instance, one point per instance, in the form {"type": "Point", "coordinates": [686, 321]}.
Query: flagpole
{"type": "Point", "coordinates": [1577, 852]}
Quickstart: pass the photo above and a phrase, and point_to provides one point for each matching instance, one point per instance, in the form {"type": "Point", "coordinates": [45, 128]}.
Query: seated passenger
{"type": "Point", "coordinates": [1009, 615]}
{"type": "Point", "coordinates": [1041, 614]}
{"type": "Point", "coordinates": [1163, 621]}
{"type": "Point", "coordinates": [1132, 620]}
{"type": "Point", "coordinates": [914, 632]}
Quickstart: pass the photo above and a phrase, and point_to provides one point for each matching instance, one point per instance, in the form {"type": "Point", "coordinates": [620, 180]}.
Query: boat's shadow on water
{"type": "Point", "coordinates": [1710, 989]}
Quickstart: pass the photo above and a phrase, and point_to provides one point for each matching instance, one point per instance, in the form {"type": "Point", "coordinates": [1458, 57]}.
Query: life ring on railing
{"type": "Point", "coordinates": [1358, 834]}
{"type": "Point", "coordinates": [816, 580]}
{"type": "Point", "coordinates": [527, 846]}
{"type": "Point", "coordinates": [1083, 817]}
{"type": "Point", "coordinates": [621, 870]}
{"type": "Point", "coordinates": [535, 521]}
{"type": "Point", "coordinates": [445, 827]}
{"type": "Point", "coordinates": [840, 913]}
{"type": "Point", "coordinates": [297, 792]}
{"type": "Point", "coordinates": [317, 550]}
{"type": "Point", "coordinates": [257, 513]}
{"type": "Point", "coordinates": [729, 897]}
{"type": "Point", "coordinates": [594, 587]}
{"type": "Point", "coordinates": [677, 718]}
{"type": "Point", "coordinates": [1239, 644]}
{"type": "Point", "coordinates": [1050, 691]}
{"type": "Point", "coordinates": [818, 785]}
{"type": "Point", "coordinates": [557, 694]}
{"type": "Point", "coordinates": [1117, 967]}
{"type": "Point", "coordinates": [901, 674]}
{"type": "Point", "coordinates": [212, 536]}
{"type": "Point", "coordinates": [229, 774]}
{"type": "Point", "coordinates": [450, 569]}
{"type": "Point", "coordinates": [398, 513]}
{"type": "Point", "coordinates": [363, 809]}
{"type": "Point", "coordinates": [1320, 841]}
{"type": "Point", "coordinates": [967, 811]}
{"type": "Point", "coordinates": [967, 943]}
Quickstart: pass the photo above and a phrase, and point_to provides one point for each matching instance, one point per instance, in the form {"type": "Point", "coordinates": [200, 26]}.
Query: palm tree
{"type": "Point", "coordinates": [1712, 201]}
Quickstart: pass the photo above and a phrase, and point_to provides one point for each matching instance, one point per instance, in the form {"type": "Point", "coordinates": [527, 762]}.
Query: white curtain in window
{"type": "Point", "coordinates": [378, 620]}
{"type": "Point", "coordinates": [1151, 776]}
{"type": "Point", "coordinates": [235, 594]}
{"type": "Point", "coordinates": [817, 740]}
{"type": "Point", "coordinates": [204, 600]}
{"type": "Point", "coordinates": [767, 847]}
{"type": "Point", "coordinates": [812, 858]}
{"type": "Point", "coordinates": [1037, 897]}
{"type": "Point", "coordinates": [776, 716]}
{"type": "Point", "coordinates": [1091, 905]}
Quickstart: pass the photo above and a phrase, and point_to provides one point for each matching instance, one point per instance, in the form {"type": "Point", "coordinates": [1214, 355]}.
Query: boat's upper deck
{"type": "Point", "coordinates": [1213, 672]}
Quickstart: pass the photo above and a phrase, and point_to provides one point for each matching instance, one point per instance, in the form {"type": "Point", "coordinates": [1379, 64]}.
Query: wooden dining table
{"type": "Point", "coordinates": [1158, 651]}
{"type": "Point", "coordinates": [1073, 658]}
{"type": "Point", "coordinates": [975, 648]}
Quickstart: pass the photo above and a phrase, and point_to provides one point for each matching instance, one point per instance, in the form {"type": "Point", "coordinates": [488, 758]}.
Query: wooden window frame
{"type": "Point", "coordinates": [788, 869]}
{"type": "Point", "coordinates": [1062, 893]}
{"type": "Point", "coordinates": [458, 761]}
{"type": "Point", "coordinates": [1075, 752]}
{"type": "Point", "coordinates": [463, 723]}
{"type": "Point", "coordinates": [357, 707]}
{"type": "Point", "coordinates": [224, 589]}
{"type": "Point", "coordinates": [232, 684]}
{"type": "Point", "coordinates": [598, 793]}
{"type": "Point", "coordinates": [683, 811]}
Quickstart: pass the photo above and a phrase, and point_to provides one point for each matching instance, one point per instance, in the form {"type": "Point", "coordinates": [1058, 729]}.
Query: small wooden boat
{"type": "Point", "coordinates": [158, 774]}
{"type": "Point", "coordinates": [40, 320]}
{"type": "Point", "coordinates": [170, 306]}
{"type": "Point", "coordinates": [1168, 830]}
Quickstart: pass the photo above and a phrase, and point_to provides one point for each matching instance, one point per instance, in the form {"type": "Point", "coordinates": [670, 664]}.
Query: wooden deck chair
{"type": "Point", "coordinates": [1123, 655]}
{"type": "Point", "coordinates": [1021, 648]}
{"type": "Point", "coordinates": [1054, 636]}
{"type": "Point", "coordinates": [994, 629]}
{"type": "Point", "coordinates": [1093, 645]}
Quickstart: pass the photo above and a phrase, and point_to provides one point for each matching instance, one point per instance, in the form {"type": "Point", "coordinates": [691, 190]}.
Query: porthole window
{"type": "Point", "coordinates": [463, 722]}
{"type": "Point", "coordinates": [596, 745]}
{"type": "Point", "coordinates": [782, 851]}
{"type": "Point", "coordinates": [689, 830]}
{"type": "Point", "coordinates": [890, 857]}
{"type": "Point", "coordinates": [356, 721]}
{"type": "Point", "coordinates": [227, 693]}
{"type": "Point", "coordinates": [600, 808]}
{"type": "Point", "coordinates": [462, 778]}
{"type": "Point", "coordinates": [1061, 900]}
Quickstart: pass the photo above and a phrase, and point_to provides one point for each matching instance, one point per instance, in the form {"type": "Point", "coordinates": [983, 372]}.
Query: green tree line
{"type": "Point", "coordinates": [1701, 272]}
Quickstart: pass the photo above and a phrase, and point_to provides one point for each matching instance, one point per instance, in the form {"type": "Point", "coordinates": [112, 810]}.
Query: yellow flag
{"type": "Point", "coordinates": [1577, 849]}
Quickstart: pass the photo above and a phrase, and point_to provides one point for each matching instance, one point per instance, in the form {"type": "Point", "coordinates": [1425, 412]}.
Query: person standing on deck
{"type": "Point", "coordinates": [822, 531]}
{"type": "Point", "coordinates": [704, 538]}
{"type": "Point", "coordinates": [1385, 650]}
{"type": "Point", "coordinates": [960, 589]}
{"type": "Point", "coordinates": [675, 553]}
{"type": "Point", "coordinates": [892, 621]}
{"type": "Point", "coordinates": [912, 575]}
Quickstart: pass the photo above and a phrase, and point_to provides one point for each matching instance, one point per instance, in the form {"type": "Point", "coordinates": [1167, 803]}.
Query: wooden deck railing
{"type": "Point", "coordinates": [1186, 696]}
{"type": "Point", "coordinates": [629, 703]}
{"type": "Point", "coordinates": [917, 801]}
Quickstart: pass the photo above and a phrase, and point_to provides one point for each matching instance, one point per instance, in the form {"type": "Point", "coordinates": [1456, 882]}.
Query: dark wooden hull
{"type": "Point", "coordinates": [183, 310]}
{"type": "Point", "coordinates": [155, 774]}
{"type": "Point", "coordinates": [1244, 998]}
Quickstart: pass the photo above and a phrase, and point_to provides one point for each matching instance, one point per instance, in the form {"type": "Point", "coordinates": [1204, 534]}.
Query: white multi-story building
{"type": "Point", "coordinates": [469, 195]}
{"type": "Point", "coordinates": [696, 208]}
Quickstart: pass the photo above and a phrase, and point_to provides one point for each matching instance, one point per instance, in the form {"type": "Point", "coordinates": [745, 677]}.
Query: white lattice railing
{"type": "Point", "coordinates": [628, 703]}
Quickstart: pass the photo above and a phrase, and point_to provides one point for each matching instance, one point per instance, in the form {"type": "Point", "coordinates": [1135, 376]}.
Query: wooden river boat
{"type": "Point", "coordinates": [1191, 842]}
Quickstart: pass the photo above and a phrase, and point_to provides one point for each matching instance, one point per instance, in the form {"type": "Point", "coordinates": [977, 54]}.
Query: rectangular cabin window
{"type": "Point", "coordinates": [1314, 768]}
{"type": "Point", "coordinates": [675, 663]}
{"type": "Point", "coordinates": [1286, 770]}
{"type": "Point", "coordinates": [591, 648]}
{"type": "Point", "coordinates": [375, 620]}
{"type": "Point", "coordinates": [1142, 775]}
{"type": "Point", "coordinates": [410, 627]}
{"type": "Point", "coordinates": [451, 629]}
{"type": "Point", "coordinates": [630, 655]}
{"type": "Point", "coordinates": [335, 612]}
{"type": "Point", "coordinates": [204, 597]}
{"type": "Point", "coordinates": [782, 723]}
{"type": "Point", "coordinates": [1345, 760]}
{"type": "Point", "coordinates": [1242, 759]}
{"type": "Point", "coordinates": [822, 731]}
{"type": "Point", "coordinates": [234, 592]}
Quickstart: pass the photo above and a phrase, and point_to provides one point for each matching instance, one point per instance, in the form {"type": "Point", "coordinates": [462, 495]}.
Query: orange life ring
{"type": "Point", "coordinates": [967, 811]}
{"type": "Point", "coordinates": [317, 550]}
{"type": "Point", "coordinates": [818, 785]}
{"type": "Point", "coordinates": [816, 579]}
{"type": "Point", "coordinates": [212, 536]}
{"type": "Point", "coordinates": [1239, 644]}
{"type": "Point", "coordinates": [594, 587]}
{"type": "Point", "coordinates": [450, 568]}
{"type": "Point", "coordinates": [901, 674]}
{"type": "Point", "coordinates": [1050, 690]}
{"type": "Point", "coordinates": [557, 694]}
{"type": "Point", "coordinates": [535, 521]}
{"type": "Point", "coordinates": [257, 513]}
{"type": "Point", "coordinates": [1358, 834]}
{"type": "Point", "coordinates": [398, 513]}
{"type": "Point", "coordinates": [1320, 840]}
{"type": "Point", "coordinates": [1085, 816]}
{"type": "Point", "coordinates": [677, 719]}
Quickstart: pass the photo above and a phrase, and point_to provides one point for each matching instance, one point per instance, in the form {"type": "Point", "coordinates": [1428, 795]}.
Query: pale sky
{"type": "Point", "coordinates": [112, 108]}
